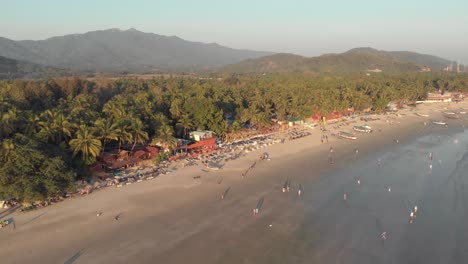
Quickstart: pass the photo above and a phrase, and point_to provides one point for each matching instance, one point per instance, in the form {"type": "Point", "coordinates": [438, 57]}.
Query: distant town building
{"type": "Point", "coordinates": [425, 69]}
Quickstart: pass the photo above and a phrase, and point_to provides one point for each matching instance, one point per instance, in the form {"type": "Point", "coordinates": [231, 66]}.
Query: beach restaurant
{"type": "Point", "coordinates": [201, 135]}
{"type": "Point", "coordinates": [123, 159]}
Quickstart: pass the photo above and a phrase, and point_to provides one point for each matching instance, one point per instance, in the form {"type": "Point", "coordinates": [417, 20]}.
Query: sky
{"type": "Point", "coordinates": [304, 27]}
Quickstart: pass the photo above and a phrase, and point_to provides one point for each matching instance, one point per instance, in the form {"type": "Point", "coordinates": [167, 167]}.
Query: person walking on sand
{"type": "Point", "coordinates": [345, 197]}
{"type": "Point", "coordinates": [411, 217]}
{"type": "Point", "coordinates": [299, 190]}
{"type": "Point", "coordinates": [384, 236]}
{"type": "Point", "coordinates": [356, 151]}
{"type": "Point", "coordinates": [430, 156]}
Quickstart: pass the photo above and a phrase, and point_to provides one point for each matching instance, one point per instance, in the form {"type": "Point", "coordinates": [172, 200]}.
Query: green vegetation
{"type": "Point", "coordinates": [14, 69]}
{"type": "Point", "coordinates": [353, 61]}
{"type": "Point", "coordinates": [50, 130]}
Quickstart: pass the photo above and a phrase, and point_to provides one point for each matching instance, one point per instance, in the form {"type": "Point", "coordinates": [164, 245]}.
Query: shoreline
{"type": "Point", "coordinates": [181, 208]}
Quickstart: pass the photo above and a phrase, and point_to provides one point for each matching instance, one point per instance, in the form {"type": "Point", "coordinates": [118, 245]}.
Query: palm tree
{"type": "Point", "coordinates": [46, 126]}
{"type": "Point", "coordinates": [137, 130]}
{"type": "Point", "coordinates": [106, 129]}
{"type": "Point", "coordinates": [176, 108]}
{"type": "Point", "coordinates": [123, 132]}
{"type": "Point", "coordinates": [165, 137]}
{"type": "Point", "coordinates": [86, 143]}
{"type": "Point", "coordinates": [185, 123]}
{"type": "Point", "coordinates": [46, 131]}
{"type": "Point", "coordinates": [63, 128]}
{"type": "Point", "coordinates": [6, 150]}
{"type": "Point", "coordinates": [113, 110]}
{"type": "Point", "coordinates": [7, 122]}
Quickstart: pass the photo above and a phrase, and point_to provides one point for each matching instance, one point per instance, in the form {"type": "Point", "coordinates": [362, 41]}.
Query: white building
{"type": "Point", "coordinates": [201, 135]}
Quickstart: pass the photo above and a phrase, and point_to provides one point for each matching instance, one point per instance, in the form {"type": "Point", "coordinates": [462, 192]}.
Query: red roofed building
{"type": "Point", "coordinates": [206, 145]}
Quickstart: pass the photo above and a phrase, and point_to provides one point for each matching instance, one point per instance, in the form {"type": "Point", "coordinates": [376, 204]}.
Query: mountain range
{"type": "Point", "coordinates": [354, 60]}
{"type": "Point", "coordinates": [123, 50]}
{"type": "Point", "coordinates": [133, 51]}
{"type": "Point", "coordinates": [15, 69]}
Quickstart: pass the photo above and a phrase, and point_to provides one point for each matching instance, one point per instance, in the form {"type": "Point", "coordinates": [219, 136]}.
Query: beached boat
{"type": "Point", "coordinates": [423, 115]}
{"type": "Point", "coordinates": [452, 116]}
{"type": "Point", "coordinates": [347, 135]}
{"type": "Point", "coordinates": [363, 129]}
{"type": "Point", "coordinates": [442, 123]}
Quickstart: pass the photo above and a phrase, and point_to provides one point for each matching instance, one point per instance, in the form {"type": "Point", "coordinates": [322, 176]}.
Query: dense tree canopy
{"type": "Point", "coordinates": [81, 118]}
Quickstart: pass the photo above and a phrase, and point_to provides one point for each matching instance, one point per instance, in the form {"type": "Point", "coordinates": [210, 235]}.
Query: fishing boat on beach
{"type": "Point", "coordinates": [442, 123]}
{"type": "Point", "coordinates": [363, 129]}
{"type": "Point", "coordinates": [421, 114]}
{"type": "Point", "coordinates": [452, 115]}
{"type": "Point", "coordinates": [347, 135]}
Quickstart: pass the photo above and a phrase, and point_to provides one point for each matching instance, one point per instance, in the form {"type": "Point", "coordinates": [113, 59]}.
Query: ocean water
{"type": "Point", "coordinates": [382, 189]}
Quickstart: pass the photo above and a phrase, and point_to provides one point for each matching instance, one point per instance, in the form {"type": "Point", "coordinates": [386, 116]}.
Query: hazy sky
{"type": "Point", "coordinates": [306, 27]}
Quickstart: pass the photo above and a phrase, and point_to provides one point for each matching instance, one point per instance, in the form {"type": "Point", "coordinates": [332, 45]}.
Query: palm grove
{"type": "Point", "coordinates": [52, 130]}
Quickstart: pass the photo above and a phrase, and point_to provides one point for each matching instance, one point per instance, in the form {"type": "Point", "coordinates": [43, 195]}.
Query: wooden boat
{"type": "Point", "coordinates": [363, 129]}
{"type": "Point", "coordinates": [347, 135]}
{"type": "Point", "coordinates": [442, 123]}
{"type": "Point", "coordinates": [454, 116]}
{"type": "Point", "coordinates": [423, 115]}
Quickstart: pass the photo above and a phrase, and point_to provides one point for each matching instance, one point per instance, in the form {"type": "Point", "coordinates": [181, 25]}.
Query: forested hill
{"type": "Point", "coordinates": [123, 50]}
{"type": "Point", "coordinates": [352, 61]}
{"type": "Point", "coordinates": [14, 69]}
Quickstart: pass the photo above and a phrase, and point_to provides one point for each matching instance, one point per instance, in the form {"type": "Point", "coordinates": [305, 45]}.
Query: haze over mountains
{"type": "Point", "coordinates": [122, 50]}
{"type": "Point", "coordinates": [354, 60]}
{"type": "Point", "coordinates": [131, 50]}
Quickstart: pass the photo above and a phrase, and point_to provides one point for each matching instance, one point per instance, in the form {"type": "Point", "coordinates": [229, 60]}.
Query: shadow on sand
{"type": "Point", "coordinates": [74, 257]}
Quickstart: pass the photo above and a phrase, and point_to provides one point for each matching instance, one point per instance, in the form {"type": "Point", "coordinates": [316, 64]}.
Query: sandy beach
{"type": "Point", "coordinates": [175, 218]}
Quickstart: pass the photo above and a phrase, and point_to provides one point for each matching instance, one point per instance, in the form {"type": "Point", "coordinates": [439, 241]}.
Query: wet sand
{"type": "Point", "coordinates": [176, 219]}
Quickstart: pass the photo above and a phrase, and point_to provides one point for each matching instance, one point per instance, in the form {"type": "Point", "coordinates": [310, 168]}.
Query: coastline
{"type": "Point", "coordinates": [172, 209]}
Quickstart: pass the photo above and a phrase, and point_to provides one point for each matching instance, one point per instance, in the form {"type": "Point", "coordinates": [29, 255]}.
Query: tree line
{"type": "Point", "coordinates": [52, 130]}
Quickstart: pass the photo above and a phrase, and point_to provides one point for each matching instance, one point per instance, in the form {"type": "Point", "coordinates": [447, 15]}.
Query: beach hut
{"type": "Point", "coordinates": [206, 145]}
{"type": "Point", "coordinates": [201, 135]}
{"type": "Point", "coordinates": [294, 121]}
